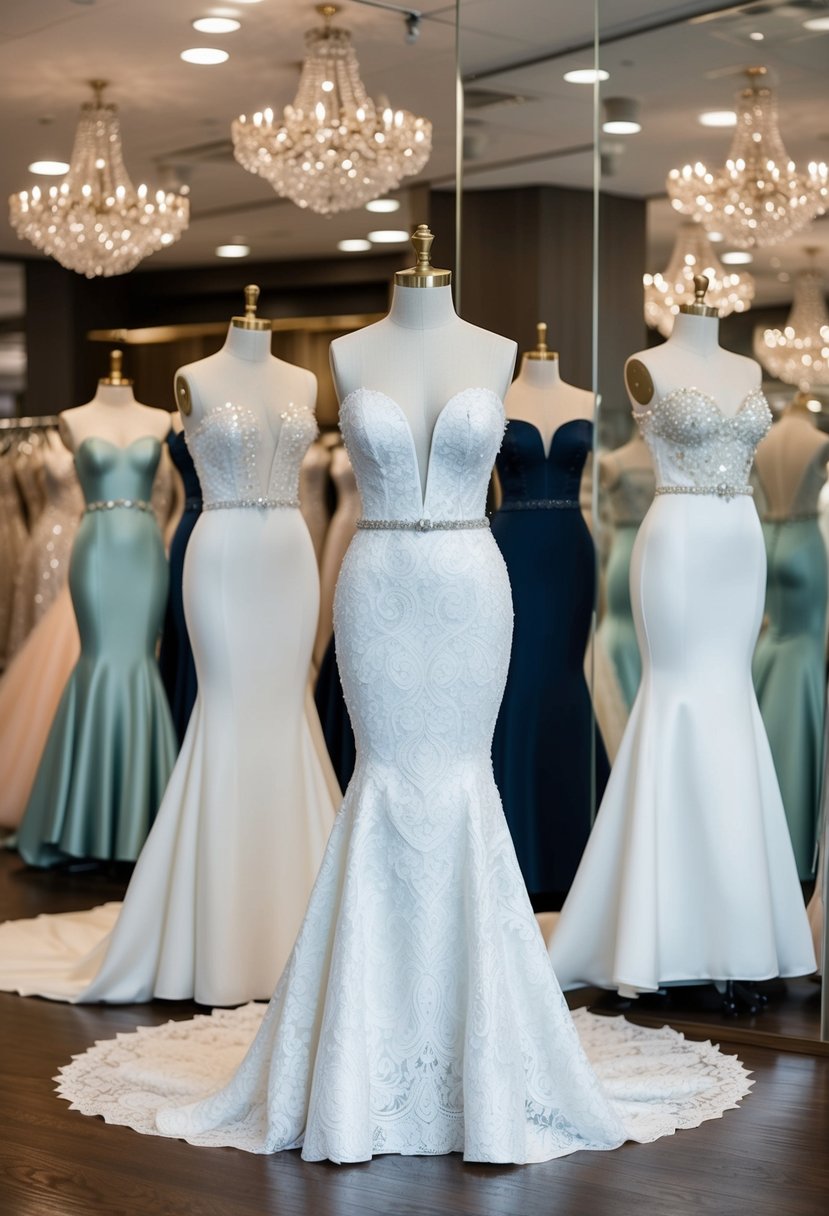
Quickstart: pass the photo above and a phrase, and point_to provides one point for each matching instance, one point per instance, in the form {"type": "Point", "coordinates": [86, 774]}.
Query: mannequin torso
{"type": "Point", "coordinates": [693, 358]}
{"type": "Point", "coordinates": [783, 458]}
{"type": "Point", "coordinates": [539, 396]}
{"type": "Point", "coordinates": [632, 456]}
{"type": "Point", "coordinates": [421, 355]}
{"type": "Point", "coordinates": [115, 415]}
{"type": "Point", "coordinates": [245, 372]}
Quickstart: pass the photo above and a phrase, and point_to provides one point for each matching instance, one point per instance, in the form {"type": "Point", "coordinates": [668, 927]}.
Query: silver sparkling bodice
{"type": "Point", "coordinates": [237, 460]}
{"type": "Point", "coordinates": [694, 444]}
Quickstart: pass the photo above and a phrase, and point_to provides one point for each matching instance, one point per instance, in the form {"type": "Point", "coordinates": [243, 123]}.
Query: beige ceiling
{"type": "Point", "coordinates": [175, 117]}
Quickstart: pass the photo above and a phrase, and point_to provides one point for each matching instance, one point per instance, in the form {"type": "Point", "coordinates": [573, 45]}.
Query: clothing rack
{"type": "Point", "coordinates": [28, 424]}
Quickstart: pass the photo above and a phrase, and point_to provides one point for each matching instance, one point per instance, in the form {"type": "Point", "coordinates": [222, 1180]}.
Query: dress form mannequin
{"type": "Point", "coordinates": [540, 396]}
{"type": "Point", "coordinates": [786, 453]}
{"type": "Point", "coordinates": [631, 456]}
{"type": "Point", "coordinates": [113, 413]}
{"type": "Point", "coordinates": [244, 370]}
{"type": "Point", "coordinates": [422, 353]}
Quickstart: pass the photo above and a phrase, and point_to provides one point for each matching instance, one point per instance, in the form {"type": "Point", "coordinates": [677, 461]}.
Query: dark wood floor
{"type": "Point", "coordinates": [770, 1158]}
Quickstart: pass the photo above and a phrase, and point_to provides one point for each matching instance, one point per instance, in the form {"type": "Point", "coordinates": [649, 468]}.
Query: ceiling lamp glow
{"type": "Point", "coordinates": [216, 25]}
{"type": "Point", "coordinates": [817, 23]}
{"type": "Point", "coordinates": [206, 55]}
{"type": "Point", "coordinates": [586, 76]}
{"type": "Point", "coordinates": [621, 116]}
{"type": "Point", "coordinates": [759, 197]}
{"type": "Point", "coordinates": [718, 118]}
{"type": "Point", "coordinates": [384, 205]}
{"type": "Point", "coordinates": [96, 222]}
{"type": "Point", "coordinates": [357, 245]}
{"type": "Point", "coordinates": [334, 148]}
{"type": "Point", "coordinates": [736, 257]}
{"type": "Point", "coordinates": [799, 353]}
{"type": "Point", "coordinates": [388, 236]}
{"type": "Point", "coordinates": [232, 251]}
{"type": "Point", "coordinates": [692, 255]}
{"type": "Point", "coordinates": [49, 168]}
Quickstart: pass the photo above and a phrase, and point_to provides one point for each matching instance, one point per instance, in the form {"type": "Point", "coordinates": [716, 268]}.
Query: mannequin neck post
{"type": "Point", "coordinates": [252, 345]}
{"type": "Point", "coordinates": [701, 335]}
{"type": "Point", "coordinates": [422, 307]}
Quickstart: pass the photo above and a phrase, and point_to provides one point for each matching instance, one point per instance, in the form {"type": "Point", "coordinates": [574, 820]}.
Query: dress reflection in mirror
{"type": "Point", "coordinates": [789, 662]}
{"type": "Point", "coordinates": [544, 739]}
{"type": "Point", "coordinates": [626, 477]}
{"type": "Point", "coordinates": [243, 823]}
{"type": "Point", "coordinates": [111, 746]}
{"type": "Point", "coordinates": [689, 873]}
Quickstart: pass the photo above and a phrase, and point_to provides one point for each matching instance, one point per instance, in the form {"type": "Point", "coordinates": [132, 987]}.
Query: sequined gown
{"type": "Point", "coordinates": [418, 1012]}
{"type": "Point", "coordinates": [689, 873]}
{"type": "Point", "coordinates": [45, 562]}
{"type": "Point", "coordinates": [220, 887]}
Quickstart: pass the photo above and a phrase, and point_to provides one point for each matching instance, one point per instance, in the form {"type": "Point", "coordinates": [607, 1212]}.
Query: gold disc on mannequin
{"type": "Point", "coordinates": [183, 401]}
{"type": "Point", "coordinates": [639, 381]}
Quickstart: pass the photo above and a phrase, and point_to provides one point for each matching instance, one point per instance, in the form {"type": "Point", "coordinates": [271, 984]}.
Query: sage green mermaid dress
{"type": "Point", "coordinates": [112, 744]}
{"type": "Point", "coordinates": [789, 660]}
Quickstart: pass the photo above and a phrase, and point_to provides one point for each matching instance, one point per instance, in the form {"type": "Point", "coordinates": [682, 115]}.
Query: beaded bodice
{"type": "Point", "coordinates": [238, 460]}
{"type": "Point", "coordinates": [465, 439]}
{"type": "Point", "coordinates": [693, 443]}
{"type": "Point", "coordinates": [529, 474]}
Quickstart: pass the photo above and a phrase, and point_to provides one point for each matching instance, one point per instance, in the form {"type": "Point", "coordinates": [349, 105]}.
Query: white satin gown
{"type": "Point", "coordinates": [221, 885]}
{"type": "Point", "coordinates": [689, 874]}
{"type": "Point", "coordinates": [418, 1012]}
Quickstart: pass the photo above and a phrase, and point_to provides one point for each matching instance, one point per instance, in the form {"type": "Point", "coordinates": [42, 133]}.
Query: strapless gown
{"type": "Point", "coordinates": [219, 890]}
{"type": "Point", "coordinates": [789, 662]}
{"type": "Point", "coordinates": [545, 738]}
{"type": "Point", "coordinates": [628, 499]}
{"type": "Point", "coordinates": [689, 873]}
{"type": "Point", "coordinates": [178, 669]}
{"type": "Point", "coordinates": [418, 1012]}
{"type": "Point", "coordinates": [111, 746]}
{"type": "Point", "coordinates": [13, 541]}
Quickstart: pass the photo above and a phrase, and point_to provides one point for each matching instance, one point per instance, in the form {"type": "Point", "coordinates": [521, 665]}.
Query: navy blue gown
{"type": "Point", "coordinates": [178, 671]}
{"type": "Point", "coordinates": [547, 751]}
{"type": "Point", "coordinates": [334, 719]}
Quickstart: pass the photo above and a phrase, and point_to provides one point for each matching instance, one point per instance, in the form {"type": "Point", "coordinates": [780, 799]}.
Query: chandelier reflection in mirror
{"type": "Point", "coordinates": [799, 353]}
{"type": "Point", "coordinates": [759, 197]}
{"type": "Point", "coordinates": [692, 254]}
{"type": "Point", "coordinates": [333, 149]}
{"type": "Point", "coordinates": [96, 222]}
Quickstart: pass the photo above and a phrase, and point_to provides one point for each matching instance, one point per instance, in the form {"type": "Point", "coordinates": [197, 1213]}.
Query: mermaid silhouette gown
{"type": "Point", "coordinates": [418, 1012]}
{"type": "Point", "coordinates": [545, 735]}
{"type": "Point", "coordinates": [789, 662]}
{"type": "Point", "coordinates": [628, 500]}
{"type": "Point", "coordinates": [111, 747]}
{"type": "Point", "coordinates": [689, 873]}
{"type": "Point", "coordinates": [221, 885]}
{"type": "Point", "coordinates": [178, 668]}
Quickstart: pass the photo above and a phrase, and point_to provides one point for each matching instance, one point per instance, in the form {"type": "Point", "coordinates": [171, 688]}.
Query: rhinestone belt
{"type": "Point", "coordinates": [421, 525]}
{"type": "Point", "coordinates": [722, 490]}
{"type": "Point", "coordinates": [541, 504]}
{"type": "Point", "coordinates": [109, 504]}
{"type": "Point", "coordinates": [267, 504]}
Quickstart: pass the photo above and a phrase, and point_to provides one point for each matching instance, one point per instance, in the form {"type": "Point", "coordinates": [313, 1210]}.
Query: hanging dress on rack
{"type": "Point", "coordinates": [13, 539]}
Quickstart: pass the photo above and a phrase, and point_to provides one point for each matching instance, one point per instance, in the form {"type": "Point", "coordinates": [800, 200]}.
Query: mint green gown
{"type": "Point", "coordinates": [789, 664]}
{"type": "Point", "coordinates": [112, 746]}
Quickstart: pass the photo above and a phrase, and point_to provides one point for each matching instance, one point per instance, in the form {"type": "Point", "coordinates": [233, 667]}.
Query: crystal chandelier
{"type": "Point", "coordinates": [692, 254]}
{"type": "Point", "coordinates": [96, 222]}
{"type": "Point", "coordinates": [759, 198]}
{"type": "Point", "coordinates": [333, 149]}
{"type": "Point", "coordinates": [799, 353]}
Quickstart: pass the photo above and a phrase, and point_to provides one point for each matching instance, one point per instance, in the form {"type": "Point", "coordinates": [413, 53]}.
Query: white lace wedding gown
{"type": "Point", "coordinates": [221, 885]}
{"type": "Point", "coordinates": [689, 873]}
{"type": "Point", "coordinates": [418, 1012]}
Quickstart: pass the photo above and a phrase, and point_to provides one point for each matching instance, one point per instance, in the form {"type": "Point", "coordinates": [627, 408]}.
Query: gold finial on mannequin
{"type": "Point", "coordinates": [424, 274]}
{"type": "Point", "coordinates": [542, 350]}
{"type": "Point", "coordinates": [250, 319]}
{"type": "Point", "coordinates": [115, 377]}
{"type": "Point", "coordinates": [699, 308]}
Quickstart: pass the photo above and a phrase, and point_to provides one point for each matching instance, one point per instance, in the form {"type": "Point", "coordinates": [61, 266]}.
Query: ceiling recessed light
{"type": "Point", "coordinates": [383, 204]}
{"type": "Point", "coordinates": [356, 246]}
{"type": "Point", "coordinates": [204, 54]}
{"type": "Point", "coordinates": [814, 405]}
{"type": "Point", "coordinates": [49, 168]}
{"type": "Point", "coordinates": [718, 118]}
{"type": "Point", "coordinates": [232, 251]}
{"type": "Point", "coordinates": [216, 25]}
{"type": "Point", "coordinates": [783, 276]}
{"type": "Point", "coordinates": [248, 1]}
{"type": "Point", "coordinates": [715, 236]}
{"type": "Point", "coordinates": [736, 257]}
{"type": "Point", "coordinates": [388, 236]}
{"type": "Point", "coordinates": [586, 76]}
{"type": "Point", "coordinates": [817, 23]}
{"type": "Point", "coordinates": [756, 36]}
{"type": "Point", "coordinates": [621, 116]}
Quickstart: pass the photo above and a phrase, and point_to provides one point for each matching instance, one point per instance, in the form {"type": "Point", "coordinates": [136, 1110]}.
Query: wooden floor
{"type": "Point", "coordinates": [770, 1158]}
